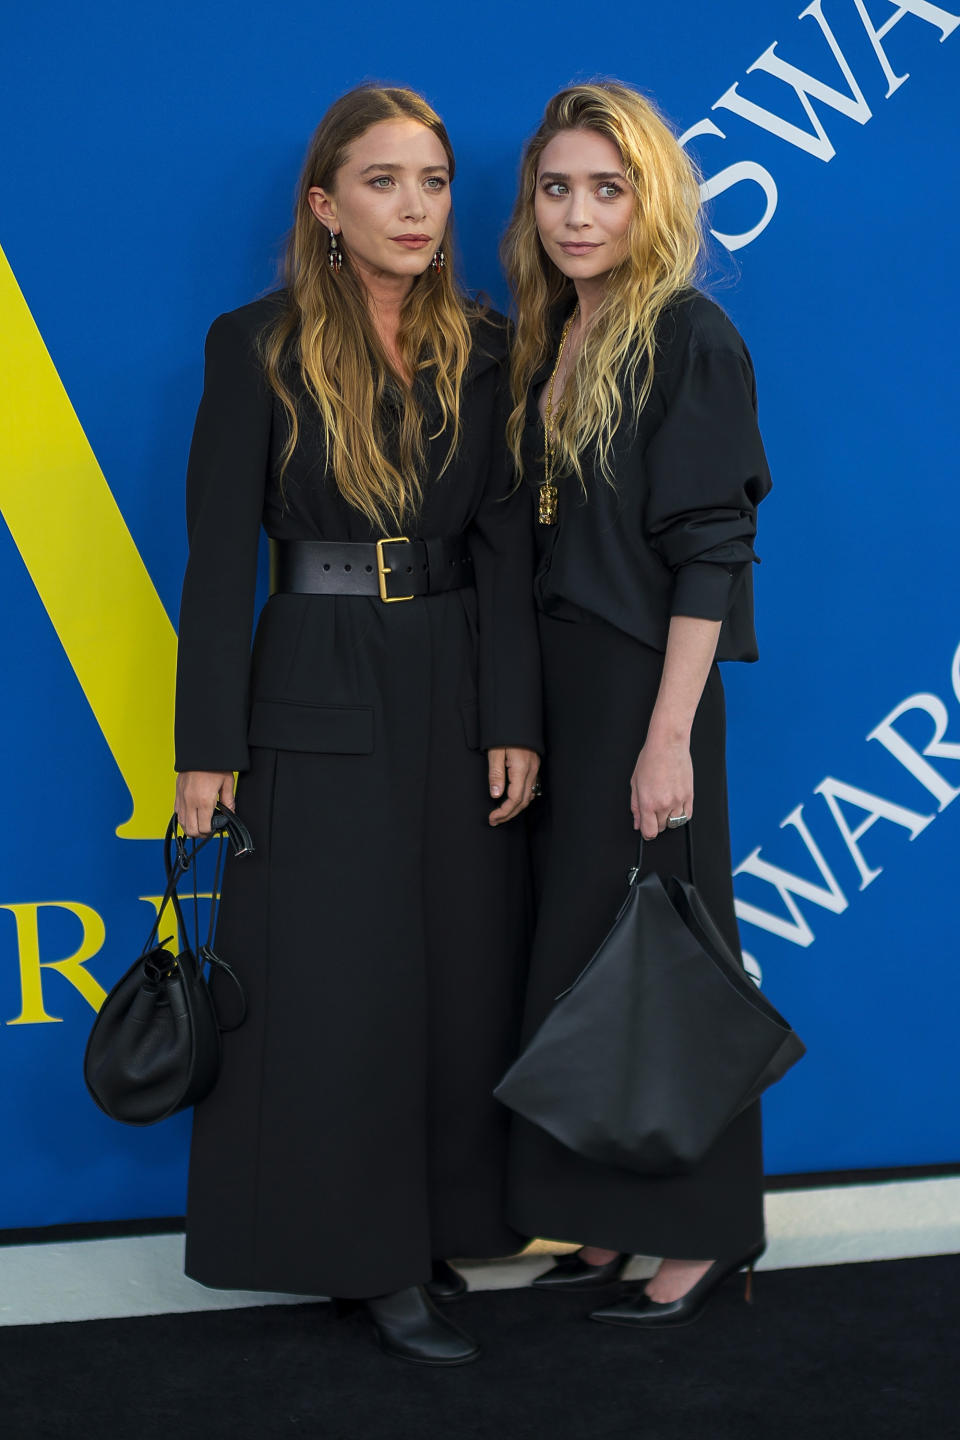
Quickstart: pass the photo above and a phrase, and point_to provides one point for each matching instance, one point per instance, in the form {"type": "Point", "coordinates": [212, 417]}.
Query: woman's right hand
{"type": "Point", "coordinates": [197, 793]}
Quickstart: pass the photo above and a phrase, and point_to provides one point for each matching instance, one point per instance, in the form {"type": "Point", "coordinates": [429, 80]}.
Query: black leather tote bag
{"type": "Point", "coordinates": [155, 1045]}
{"type": "Point", "coordinates": [660, 1042]}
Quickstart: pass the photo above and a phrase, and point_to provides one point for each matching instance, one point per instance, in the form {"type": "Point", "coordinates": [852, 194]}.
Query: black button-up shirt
{"type": "Point", "coordinates": [674, 534]}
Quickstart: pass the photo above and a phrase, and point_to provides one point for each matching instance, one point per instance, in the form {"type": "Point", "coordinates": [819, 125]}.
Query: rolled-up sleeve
{"type": "Point", "coordinates": [707, 473]}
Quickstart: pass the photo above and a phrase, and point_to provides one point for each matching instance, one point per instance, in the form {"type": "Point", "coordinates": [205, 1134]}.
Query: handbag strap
{"type": "Point", "coordinates": [634, 873]}
{"type": "Point", "coordinates": [180, 856]}
{"type": "Point", "coordinates": [239, 836]}
{"type": "Point", "coordinates": [174, 869]}
{"type": "Point", "coordinates": [231, 831]}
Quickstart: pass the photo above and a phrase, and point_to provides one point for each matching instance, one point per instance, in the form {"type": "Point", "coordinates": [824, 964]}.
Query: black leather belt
{"type": "Point", "coordinates": [395, 569]}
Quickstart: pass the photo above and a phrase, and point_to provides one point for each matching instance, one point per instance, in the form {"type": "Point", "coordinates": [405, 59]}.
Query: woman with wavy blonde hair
{"type": "Point", "coordinates": [357, 415]}
{"type": "Point", "coordinates": [634, 428]}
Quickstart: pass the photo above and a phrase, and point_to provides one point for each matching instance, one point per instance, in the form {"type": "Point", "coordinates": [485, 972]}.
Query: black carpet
{"type": "Point", "coordinates": [856, 1352]}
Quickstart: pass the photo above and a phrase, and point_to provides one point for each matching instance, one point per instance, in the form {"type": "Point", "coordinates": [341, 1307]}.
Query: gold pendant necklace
{"type": "Point", "coordinates": [549, 497]}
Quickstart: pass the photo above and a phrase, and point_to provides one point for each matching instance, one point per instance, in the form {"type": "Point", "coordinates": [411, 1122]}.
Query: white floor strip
{"type": "Point", "coordinates": [107, 1279]}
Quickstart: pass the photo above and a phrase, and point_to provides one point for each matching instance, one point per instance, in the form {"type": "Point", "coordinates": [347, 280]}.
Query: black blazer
{"type": "Point", "coordinates": [675, 535]}
{"type": "Point", "coordinates": [302, 688]}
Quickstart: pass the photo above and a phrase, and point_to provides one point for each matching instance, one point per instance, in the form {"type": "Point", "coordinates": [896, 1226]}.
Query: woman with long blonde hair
{"type": "Point", "coordinates": [634, 429]}
{"type": "Point", "coordinates": [352, 1142]}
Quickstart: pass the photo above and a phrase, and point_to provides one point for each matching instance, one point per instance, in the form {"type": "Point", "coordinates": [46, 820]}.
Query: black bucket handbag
{"type": "Point", "coordinates": [659, 1043]}
{"type": "Point", "coordinates": [154, 1047]}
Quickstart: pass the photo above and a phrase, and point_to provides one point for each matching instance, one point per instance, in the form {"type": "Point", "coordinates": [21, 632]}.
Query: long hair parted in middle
{"type": "Point", "coordinates": [325, 331]}
{"type": "Point", "coordinates": [664, 243]}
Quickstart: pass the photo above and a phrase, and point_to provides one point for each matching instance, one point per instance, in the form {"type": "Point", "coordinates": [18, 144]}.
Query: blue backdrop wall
{"type": "Point", "coordinates": [148, 164]}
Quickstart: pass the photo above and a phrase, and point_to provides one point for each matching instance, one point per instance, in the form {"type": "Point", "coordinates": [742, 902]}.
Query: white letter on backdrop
{"type": "Point", "coordinates": [733, 175]}
{"type": "Point", "coordinates": [855, 108]}
{"type": "Point", "coordinates": [945, 22]}
{"type": "Point", "coordinates": [788, 885]}
{"type": "Point", "coordinates": [833, 791]}
{"type": "Point", "coordinates": [913, 759]}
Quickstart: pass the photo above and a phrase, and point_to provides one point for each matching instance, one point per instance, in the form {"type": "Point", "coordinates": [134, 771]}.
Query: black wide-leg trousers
{"type": "Point", "coordinates": [600, 689]}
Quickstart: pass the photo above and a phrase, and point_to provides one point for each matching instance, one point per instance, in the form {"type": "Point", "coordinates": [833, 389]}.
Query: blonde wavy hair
{"type": "Point", "coordinates": [664, 244]}
{"type": "Point", "coordinates": [326, 333]}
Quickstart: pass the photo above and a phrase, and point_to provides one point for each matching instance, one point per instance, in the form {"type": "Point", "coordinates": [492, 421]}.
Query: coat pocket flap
{"type": "Point", "coordinates": [336, 729]}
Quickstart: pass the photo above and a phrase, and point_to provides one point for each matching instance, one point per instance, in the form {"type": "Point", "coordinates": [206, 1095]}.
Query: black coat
{"type": "Point", "coordinates": [232, 488]}
{"type": "Point", "coordinates": [381, 926]}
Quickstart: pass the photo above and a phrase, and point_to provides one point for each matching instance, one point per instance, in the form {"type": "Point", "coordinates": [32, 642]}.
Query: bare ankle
{"type": "Point", "coordinates": [674, 1278]}
{"type": "Point", "coordinates": [593, 1255]}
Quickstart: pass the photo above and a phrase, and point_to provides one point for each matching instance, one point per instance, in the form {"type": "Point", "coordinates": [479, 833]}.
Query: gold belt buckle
{"type": "Point", "coordinates": [383, 570]}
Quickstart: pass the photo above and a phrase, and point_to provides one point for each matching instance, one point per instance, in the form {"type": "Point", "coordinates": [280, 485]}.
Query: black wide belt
{"type": "Point", "coordinates": [395, 569]}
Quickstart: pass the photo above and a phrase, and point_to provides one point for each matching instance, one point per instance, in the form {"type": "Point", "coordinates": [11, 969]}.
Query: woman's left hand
{"type": "Point", "coordinates": [661, 786]}
{"type": "Point", "coordinates": [514, 769]}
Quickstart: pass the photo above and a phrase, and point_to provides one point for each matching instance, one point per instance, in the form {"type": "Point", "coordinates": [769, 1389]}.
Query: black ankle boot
{"type": "Point", "coordinates": [409, 1326]}
{"type": "Point", "coordinates": [445, 1283]}
{"type": "Point", "coordinates": [572, 1275]}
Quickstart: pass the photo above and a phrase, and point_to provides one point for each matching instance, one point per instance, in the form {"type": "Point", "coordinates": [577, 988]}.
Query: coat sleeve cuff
{"type": "Point", "coordinates": [529, 742]}
{"type": "Point", "coordinates": [702, 590]}
{"type": "Point", "coordinates": [197, 760]}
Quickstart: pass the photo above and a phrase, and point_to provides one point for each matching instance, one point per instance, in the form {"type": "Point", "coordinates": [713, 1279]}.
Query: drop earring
{"type": "Point", "coordinates": [439, 261]}
{"type": "Point", "coordinates": [334, 255]}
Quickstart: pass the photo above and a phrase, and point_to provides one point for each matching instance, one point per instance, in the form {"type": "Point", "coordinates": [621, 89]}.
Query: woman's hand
{"type": "Point", "coordinates": [662, 780]}
{"type": "Point", "coordinates": [197, 793]}
{"type": "Point", "coordinates": [515, 768]}
{"type": "Point", "coordinates": [661, 786]}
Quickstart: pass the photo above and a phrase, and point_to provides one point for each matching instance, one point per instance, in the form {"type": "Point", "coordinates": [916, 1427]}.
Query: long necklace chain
{"type": "Point", "coordinates": [549, 497]}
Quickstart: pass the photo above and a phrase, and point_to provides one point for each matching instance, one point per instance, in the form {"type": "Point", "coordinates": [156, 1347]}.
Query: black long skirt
{"type": "Point", "coordinates": [600, 689]}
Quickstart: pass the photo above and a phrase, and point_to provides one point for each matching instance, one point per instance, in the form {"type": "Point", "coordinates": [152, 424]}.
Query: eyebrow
{"type": "Point", "coordinates": [392, 165]}
{"type": "Point", "coordinates": [597, 175]}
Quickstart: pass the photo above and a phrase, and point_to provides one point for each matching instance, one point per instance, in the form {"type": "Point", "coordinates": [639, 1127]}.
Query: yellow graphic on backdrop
{"type": "Point", "coordinates": [85, 565]}
{"type": "Point", "coordinates": [71, 968]}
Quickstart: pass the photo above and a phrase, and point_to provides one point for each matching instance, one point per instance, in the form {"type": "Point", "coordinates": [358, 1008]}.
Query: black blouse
{"type": "Point", "coordinates": [674, 535]}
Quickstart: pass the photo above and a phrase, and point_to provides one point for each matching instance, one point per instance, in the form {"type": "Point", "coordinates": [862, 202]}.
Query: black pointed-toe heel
{"type": "Point", "coordinates": [571, 1275]}
{"type": "Point", "coordinates": [445, 1283]}
{"type": "Point", "coordinates": [410, 1327]}
{"type": "Point", "coordinates": [642, 1313]}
